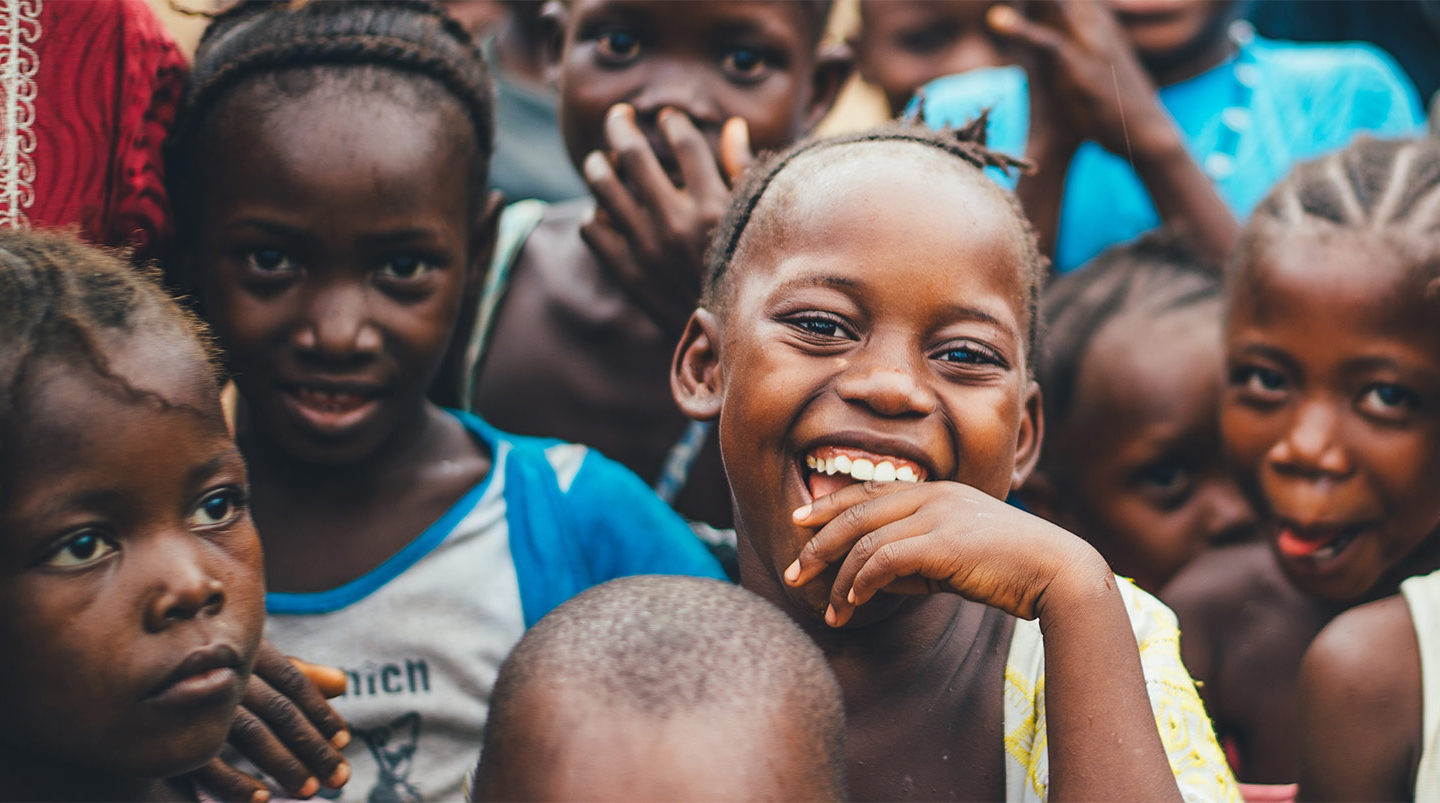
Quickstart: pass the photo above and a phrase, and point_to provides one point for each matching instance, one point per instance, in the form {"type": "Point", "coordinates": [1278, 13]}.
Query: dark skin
{"type": "Point", "coordinates": [1093, 76]}
{"type": "Point", "coordinates": [1327, 419]}
{"type": "Point", "coordinates": [904, 44]}
{"type": "Point", "coordinates": [335, 292]}
{"type": "Point", "coordinates": [1135, 466]}
{"type": "Point", "coordinates": [603, 288]}
{"type": "Point", "coordinates": [1361, 698]}
{"type": "Point", "coordinates": [901, 337]}
{"type": "Point", "coordinates": [132, 586]}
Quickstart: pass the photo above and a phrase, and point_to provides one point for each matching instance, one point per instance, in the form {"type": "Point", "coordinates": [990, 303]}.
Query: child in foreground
{"type": "Point", "coordinates": [586, 300]}
{"type": "Point", "coordinates": [1132, 374]}
{"type": "Point", "coordinates": [664, 688]}
{"type": "Point", "coordinates": [332, 160]}
{"type": "Point", "coordinates": [1137, 114]}
{"type": "Point", "coordinates": [869, 369]}
{"type": "Point", "coordinates": [130, 572]}
{"type": "Point", "coordinates": [1332, 351]}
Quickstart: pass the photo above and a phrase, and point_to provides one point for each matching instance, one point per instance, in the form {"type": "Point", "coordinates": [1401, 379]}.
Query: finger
{"type": "Point", "coordinates": [735, 154]}
{"type": "Point", "coordinates": [612, 250]}
{"type": "Point", "coordinates": [614, 199]}
{"type": "Point", "coordinates": [636, 161]}
{"type": "Point", "coordinates": [698, 165]}
{"type": "Point", "coordinates": [869, 508]}
{"type": "Point", "coordinates": [914, 559]}
{"type": "Point", "coordinates": [1013, 25]}
{"type": "Point", "coordinates": [328, 680]}
{"type": "Point", "coordinates": [225, 782]}
{"type": "Point", "coordinates": [842, 600]}
{"type": "Point", "coordinates": [253, 738]}
{"type": "Point", "coordinates": [280, 674]}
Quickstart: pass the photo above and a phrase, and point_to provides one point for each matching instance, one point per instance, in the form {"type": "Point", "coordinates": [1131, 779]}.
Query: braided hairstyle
{"type": "Point", "coordinates": [965, 144]}
{"type": "Point", "coordinates": [1389, 186]}
{"type": "Point", "coordinates": [291, 47]}
{"type": "Point", "coordinates": [1154, 275]}
{"type": "Point", "coordinates": [66, 301]}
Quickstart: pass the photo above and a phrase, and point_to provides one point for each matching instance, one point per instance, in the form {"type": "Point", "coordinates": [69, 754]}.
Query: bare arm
{"type": "Point", "coordinates": [1360, 707]}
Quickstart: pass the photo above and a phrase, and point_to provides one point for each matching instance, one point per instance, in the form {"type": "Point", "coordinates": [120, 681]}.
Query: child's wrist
{"type": "Point", "coordinates": [1083, 581]}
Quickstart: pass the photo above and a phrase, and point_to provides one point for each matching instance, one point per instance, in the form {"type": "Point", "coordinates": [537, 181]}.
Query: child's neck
{"type": "Point", "coordinates": [1205, 57]}
{"type": "Point", "coordinates": [26, 778]}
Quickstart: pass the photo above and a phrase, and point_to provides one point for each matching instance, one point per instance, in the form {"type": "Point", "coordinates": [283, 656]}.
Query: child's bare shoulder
{"type": "Point", "coordinates": [1229, 581]}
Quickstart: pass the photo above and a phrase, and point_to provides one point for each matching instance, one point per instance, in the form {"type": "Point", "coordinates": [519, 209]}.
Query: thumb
{"type": "Point", "coordinates": [1011, 24]}
{"type": "Point", "coordinates": [735, 154]}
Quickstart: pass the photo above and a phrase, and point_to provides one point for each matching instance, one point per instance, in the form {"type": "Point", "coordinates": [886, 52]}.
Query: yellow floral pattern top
{"type": "Point", "coordinates": [1195, 756]}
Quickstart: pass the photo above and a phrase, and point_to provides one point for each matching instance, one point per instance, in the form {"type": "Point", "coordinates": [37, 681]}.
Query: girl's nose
{"type": "Point", "coordinates": [889, 389]}
{"type": "Point", "coordinates": [1311, 445]}
{"type": "Point", "coordinates": [680, 89]}
{"type": "Point", "coordinates": [182, 587]}
{"type": "Point", "coordinates": [336, 324]}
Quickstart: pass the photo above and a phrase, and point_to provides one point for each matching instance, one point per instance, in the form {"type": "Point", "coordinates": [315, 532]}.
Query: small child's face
{"type": "Point", "coordinates": [336, 248]}
{"type": "Point", "coordinates": [888, 325]}
{"type": "Point", "coordinates": [130, 581]}
{"type": "Point", "coordinates": [710, 60]}
{"type": "Point", "coordinates": [1332, 410]}
{"type": "Point", "coordinates": [904, 44]}
{"type": "Point", "coordinates": [1138, 461]}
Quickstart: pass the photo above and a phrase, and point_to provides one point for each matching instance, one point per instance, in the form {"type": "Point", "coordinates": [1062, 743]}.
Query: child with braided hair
{"type": "Point", "coordinates": [130, 573]}
{"type": "Point", "coordinates": [331, 164]}
{"type": "Point", "coordinates": [868, 367]}
{"type": "Point", "coordinates": [1331, 421]}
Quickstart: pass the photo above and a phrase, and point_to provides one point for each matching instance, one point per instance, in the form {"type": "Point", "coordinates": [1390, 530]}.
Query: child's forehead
{"type": "Point", "coordinates": [803, 20]}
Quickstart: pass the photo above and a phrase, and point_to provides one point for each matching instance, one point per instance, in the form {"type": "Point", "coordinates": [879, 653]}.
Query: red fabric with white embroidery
{"type": "Point", "coordinates": [107, 88]}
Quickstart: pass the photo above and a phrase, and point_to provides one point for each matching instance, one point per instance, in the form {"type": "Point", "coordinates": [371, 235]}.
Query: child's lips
{"type": "Point", "coordinates": [330, 409]}
{"type": "Point", "coordinates": [207, 673]}
{"type": "Point", "coordinates": [830, 468]}
{"type": "Point", "coordinates": [1315, 542]}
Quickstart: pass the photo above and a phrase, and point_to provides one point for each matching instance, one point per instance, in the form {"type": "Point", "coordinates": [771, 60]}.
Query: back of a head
{"type": "Point", "coordinates": [664, 687]}
{"type": "Point", "coordinates": [1153, 275]}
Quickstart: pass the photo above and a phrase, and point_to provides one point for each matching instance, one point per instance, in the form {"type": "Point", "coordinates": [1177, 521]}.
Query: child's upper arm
{"type": "Point", "coordinates": [1360, 706]}
{"type": "Point", "coordinates": [631, 531]}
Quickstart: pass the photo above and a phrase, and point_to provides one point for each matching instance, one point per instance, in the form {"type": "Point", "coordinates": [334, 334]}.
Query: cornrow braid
{"type": "Point", "coordinates": [966, 144]}
{"type": "Point", "coordinates": [1376, 185]}
{"type": "Point", "coordinates": [1155, 274]}
{"type": "Point", "coordinates": [61, 299]}
{"type": "Point", "coordinates": [256, 37]}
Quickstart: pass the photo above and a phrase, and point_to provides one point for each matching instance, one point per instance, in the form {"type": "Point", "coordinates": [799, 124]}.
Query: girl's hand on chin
{"type": "Point", "coordinates": [934, 537]}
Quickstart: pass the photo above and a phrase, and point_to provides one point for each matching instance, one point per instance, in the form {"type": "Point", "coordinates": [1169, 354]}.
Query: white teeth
{"type": "Point", "coordinates": [810, 461]}
{"type": "Point", "coordinates": [842, 463]}
{"type": "Point", "coordinates": [862, 469]}
{"type": "Point", "coordinates": [885, 472]}
{"type": "Point", "coordinates": [906, 474]}
{"type": "Point", "coordinates": [829, 465]}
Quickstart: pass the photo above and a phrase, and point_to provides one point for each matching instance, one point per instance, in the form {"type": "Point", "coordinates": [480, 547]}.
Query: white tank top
{"type": "Point", "coordinates": [1422, 594]}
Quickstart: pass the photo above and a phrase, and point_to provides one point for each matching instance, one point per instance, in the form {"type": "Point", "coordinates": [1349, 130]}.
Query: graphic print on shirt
{"type": "Point", "coordinates": [393, 748]}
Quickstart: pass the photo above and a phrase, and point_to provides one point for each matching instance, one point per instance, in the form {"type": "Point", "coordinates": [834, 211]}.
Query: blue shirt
{"type": "Point", "coordinates": [1245, 121]}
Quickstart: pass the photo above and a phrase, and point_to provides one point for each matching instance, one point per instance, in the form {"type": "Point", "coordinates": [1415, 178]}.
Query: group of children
{"type": "Point", "coordinates": [828, 361]}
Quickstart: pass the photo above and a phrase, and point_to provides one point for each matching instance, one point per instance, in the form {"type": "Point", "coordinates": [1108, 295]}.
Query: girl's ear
{"type": "Point", "coordinates": [833, 66]}
{"type": "Point", "coordinates": [695, 378]}
{"type": "Point", "coordinates": [553, 19]}
{"type": "Point", "coordinates": [1032, 432]}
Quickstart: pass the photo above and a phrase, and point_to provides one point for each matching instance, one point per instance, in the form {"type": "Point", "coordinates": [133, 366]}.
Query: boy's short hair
{"type": "Point", "coordinates": [662, 647]}
{"type": "Point", "coordinates": [1158, 273]}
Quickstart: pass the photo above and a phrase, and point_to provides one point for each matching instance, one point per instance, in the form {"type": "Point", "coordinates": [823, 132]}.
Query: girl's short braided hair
{"type": "Point", "coordinates": [404, 38]}
{"type": "Point", "coordinates": [966, 144]}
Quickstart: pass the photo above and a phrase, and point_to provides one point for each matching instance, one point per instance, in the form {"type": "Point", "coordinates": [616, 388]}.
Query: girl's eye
{"type": "Point", "coordinates": [81, 549]}
{"type": "Point", "coordinates": [1258, 380]}
{"type": "Point", "coordinates": [746, 63]}
{"type": "Point", "coordinates": [969, 354]}
{"type": "Point", "coordinates": [619, 46]}
{"type": "Point", "coordinates": [406, 267]}
{"type": "Point", "coordinates": [269, 260]}
{"type": "Point", "coordinates": [820, 326]}
{"type": "Point", "coordinates": [1165, 476]}
{"type": "Point", "coordinates": [218, 509]}
{"type": "Point", "coordinates": [1388, 399]}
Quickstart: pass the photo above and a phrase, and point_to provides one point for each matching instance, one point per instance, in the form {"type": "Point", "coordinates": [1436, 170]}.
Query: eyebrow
{"type": "Point", "coordinates": [227, 458]}
{"type": "Point", "coordinates": [847, 283]}
{"type": "Point", "coordinates": [1269, 353]}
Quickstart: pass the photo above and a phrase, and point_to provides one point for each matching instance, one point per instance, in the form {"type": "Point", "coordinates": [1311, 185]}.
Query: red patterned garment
{"type": "Point", "coordinates": [88, 90]}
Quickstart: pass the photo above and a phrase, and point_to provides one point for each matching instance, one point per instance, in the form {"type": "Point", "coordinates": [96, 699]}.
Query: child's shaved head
{"type": "Point", "coordinates": [664, 687]}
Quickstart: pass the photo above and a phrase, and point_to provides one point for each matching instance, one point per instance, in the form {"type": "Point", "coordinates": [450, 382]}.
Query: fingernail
{"type": "Point", "coordinates": [340, 776]}
{"type": "Point", "coordinates": [801, 513]}
{"type": "Point", "coordinates": [340, 739]}
{"type": "Point", "coordinates": [850, 596]}
{"type": "Point", "coordinates": [793, 573]}
{"type": "Point", "coordinates": [310, 787]}
{"type": "Point", "coordinates": [830, 616]}
{"type": "Point", "coordinates": [1002, 17]}
{"type": "Point", "coordinates": [620, 110]}
{"type": "Point", "coordinates": [260, 796]}
{"type": "Point", "coordinates": [594, 165]}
